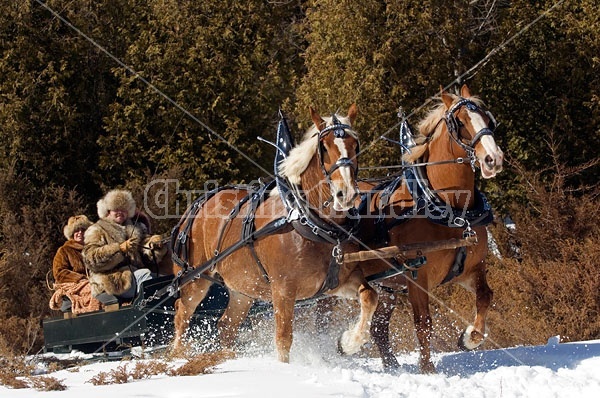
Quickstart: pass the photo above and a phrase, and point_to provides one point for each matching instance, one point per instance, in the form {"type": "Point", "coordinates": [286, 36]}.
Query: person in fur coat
{"type": "Point", "coordinates": [115, 247]}
{"type": "Point", "coordinates": [71, 287]}
{"type": "Point", "coordinates": [68, 263]}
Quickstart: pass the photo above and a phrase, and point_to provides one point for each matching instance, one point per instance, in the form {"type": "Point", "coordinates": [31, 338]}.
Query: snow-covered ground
{"type": "Point", "coordinates": [553, 370]}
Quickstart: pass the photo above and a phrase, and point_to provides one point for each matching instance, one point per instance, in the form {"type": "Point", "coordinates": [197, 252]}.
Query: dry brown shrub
{"type": "Point", "coordinates": [47, 383]}
{"type": "Point", "coordinates": [100, 379]}
{"type": "Point", "coordinates": [30, 234]}
{"type": "Point", "coordinates": [547, 282]}
{"type": "Point", "coordinates": [197, 364]}
{"type": "Point", "coordinates": [145, 370]}
{"type": "Point", "coordinates": [21, 335]}
{"type": "Point", "coordinates": [120, 375]}
{"type": "Point", "coordinates": [13, 368]}
{"type": "Point", "coordinates": [560, 297]}
{"type": "Point", "coordinates": [11, 381]}
{"type": "Point", "coordinates": [202, 363]}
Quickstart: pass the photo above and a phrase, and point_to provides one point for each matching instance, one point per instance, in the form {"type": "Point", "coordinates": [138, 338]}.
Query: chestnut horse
{"type": "Point", "coordinates": [436, 201]}
{"type": "Point", "coordinates": [286, 265]}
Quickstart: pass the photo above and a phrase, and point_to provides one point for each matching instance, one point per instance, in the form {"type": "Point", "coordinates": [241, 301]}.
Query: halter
{"type": "Point", "coordinates": [339, 131]}
{"type": "Point", "coordinates": [454, 125]}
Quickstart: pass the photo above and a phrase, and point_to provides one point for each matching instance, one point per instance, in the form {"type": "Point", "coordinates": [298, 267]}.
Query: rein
{"type": "Point", "coordinates": [458, 160]}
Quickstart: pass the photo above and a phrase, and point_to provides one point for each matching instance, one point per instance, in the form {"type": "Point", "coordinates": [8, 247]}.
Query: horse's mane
{"type": "Point", "coordinates": [300, 156]}
{"type": "Point", "coordinates": [428, 126]}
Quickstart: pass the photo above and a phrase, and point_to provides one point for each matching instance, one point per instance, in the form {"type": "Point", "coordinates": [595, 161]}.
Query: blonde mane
{"type": "Point", "coordinates": [300, 156]}
{"type": "Point", "coordinates": [429, 126]}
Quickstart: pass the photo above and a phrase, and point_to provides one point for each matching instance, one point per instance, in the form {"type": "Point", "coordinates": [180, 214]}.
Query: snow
{"type": "Point", "coordinates": [552, 370]}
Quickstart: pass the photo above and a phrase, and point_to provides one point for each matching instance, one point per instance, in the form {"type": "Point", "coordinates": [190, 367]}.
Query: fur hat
{"type": "Point", "coordinates": [75, 223]}
{"type": "Point", "coordinates": [116, 199]}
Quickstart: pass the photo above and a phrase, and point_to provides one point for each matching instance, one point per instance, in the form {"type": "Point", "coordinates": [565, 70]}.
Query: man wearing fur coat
{"type": "Point", "coordinates": [115, 246]}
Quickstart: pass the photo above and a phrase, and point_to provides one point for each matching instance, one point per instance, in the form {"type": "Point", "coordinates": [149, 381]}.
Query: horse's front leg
{"type": "Point", "coordinates": [419, 299]}
{"type": "Point", "coordinates": [190, 296]}
{"type": "Point", "coordinates": [235, 313]}
{"type": "Point", "coordinates": [283, 308]}
{"type": "Point", "coordinates": [474, 335]}
{"type": "Point", "coordinates": [380, 329]}
{"type": "Point", "coordinates": [354, 338]}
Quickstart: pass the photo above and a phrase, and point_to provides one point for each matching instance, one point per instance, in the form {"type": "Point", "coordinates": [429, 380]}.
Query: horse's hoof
{"type": "Point", "coordinates": [348, 344]}
{"type": "Point", "coordinates": [470, 339]}
{"type": "Point", "coordinates": [340, 350]}
{"type": "Point", "coordinates": [428, 368]}
{"type": "Point", "coordinates": [390, 364]}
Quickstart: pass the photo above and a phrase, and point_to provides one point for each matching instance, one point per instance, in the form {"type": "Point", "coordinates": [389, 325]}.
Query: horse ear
{"type": "Point", "coordinates": [316, 118]}
{"type": "Point", "coordinates": [464, 91]}
{"type": "Point", "coordinates": [447, 98]}
{"type": "Point", "coordinates": [352, 112]}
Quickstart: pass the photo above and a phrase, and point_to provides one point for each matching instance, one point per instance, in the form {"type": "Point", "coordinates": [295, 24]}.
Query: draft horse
{"type": "Point", "coordinates": [433, 200]}
{"type": "Point", "coordinates": [305, 222]}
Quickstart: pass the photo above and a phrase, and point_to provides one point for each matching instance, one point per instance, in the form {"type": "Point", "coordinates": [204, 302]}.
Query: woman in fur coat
{"type": "Point", "coordinates": [71, 287]}
{"type": "Point", "coordinates": [68, 263]}
{"type": "Point", "coordinates": [116, 245]}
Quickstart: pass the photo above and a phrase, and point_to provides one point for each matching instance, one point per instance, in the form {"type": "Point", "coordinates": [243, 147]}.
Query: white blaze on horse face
{"type": "Point", "coordinates": [491, 161]}
{"type": "Point", "coordinates": [348, 189]}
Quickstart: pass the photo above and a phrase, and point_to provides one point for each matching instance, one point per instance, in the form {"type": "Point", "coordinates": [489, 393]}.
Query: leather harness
{"type": "Point", "coordinates": [299, 215]}
{"type": "Point", "coordinates": [426, 201]}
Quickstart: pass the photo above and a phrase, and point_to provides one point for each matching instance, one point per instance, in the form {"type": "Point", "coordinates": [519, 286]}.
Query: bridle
{"type": "Point", "coordinates": [339, 131]}
{"type": "Point", "coordinates": [453, 124]}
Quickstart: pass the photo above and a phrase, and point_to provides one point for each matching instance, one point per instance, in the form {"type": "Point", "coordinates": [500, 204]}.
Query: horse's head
{"type": "Point", "coordinates": [337, 150]}
{"type": "Point", "coordinates": [472, 128]}
{"type": "Point", "coordinates": [326, 155]}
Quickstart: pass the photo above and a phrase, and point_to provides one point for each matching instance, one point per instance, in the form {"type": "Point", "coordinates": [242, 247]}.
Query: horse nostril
{"type": "Point", "coordinates": [339, 195]}
{"type": "Point", "coordinates": [489, 161]}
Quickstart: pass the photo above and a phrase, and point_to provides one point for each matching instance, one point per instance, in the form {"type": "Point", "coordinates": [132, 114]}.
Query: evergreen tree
{"type": "Point", "coordinates": [344, 62]}
{"type": "Point", "coordinates": [227, 63]}
{"type": "Point", "coordinates": [55, 90]}
{"type": "Point", "coordinates": [544, 86]}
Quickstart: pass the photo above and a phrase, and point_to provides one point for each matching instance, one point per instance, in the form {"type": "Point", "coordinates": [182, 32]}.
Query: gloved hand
{"type": "Point", "coordinates": [129, 245]}
{"type": "Point", "coordinates": [155, 242]}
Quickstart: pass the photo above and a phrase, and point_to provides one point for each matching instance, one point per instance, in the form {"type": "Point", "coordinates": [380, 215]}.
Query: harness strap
{"type": "Point", "coordinates": [192, 273]}
{"type": "Point", "coordinates": [310, 225]}
{"type": "Point", "coordinates": [332, 280]}
{"type": "Point", "coordinates": [179, 238]}
{"type": "Point", "coordinates": [248, 225]}
{"type": "Point", "coordinates": [411, 264]}
{"type": "Point", "coordinates": [232, 214]}
{"type": "Point", "coordinates": [438, 211]}
{"type": "Point", "coordinates": [458, 266]}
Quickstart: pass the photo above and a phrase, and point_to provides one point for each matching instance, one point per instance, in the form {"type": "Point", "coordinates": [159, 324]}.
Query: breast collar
{"type": "Point", "coordinates": [429, 203]}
